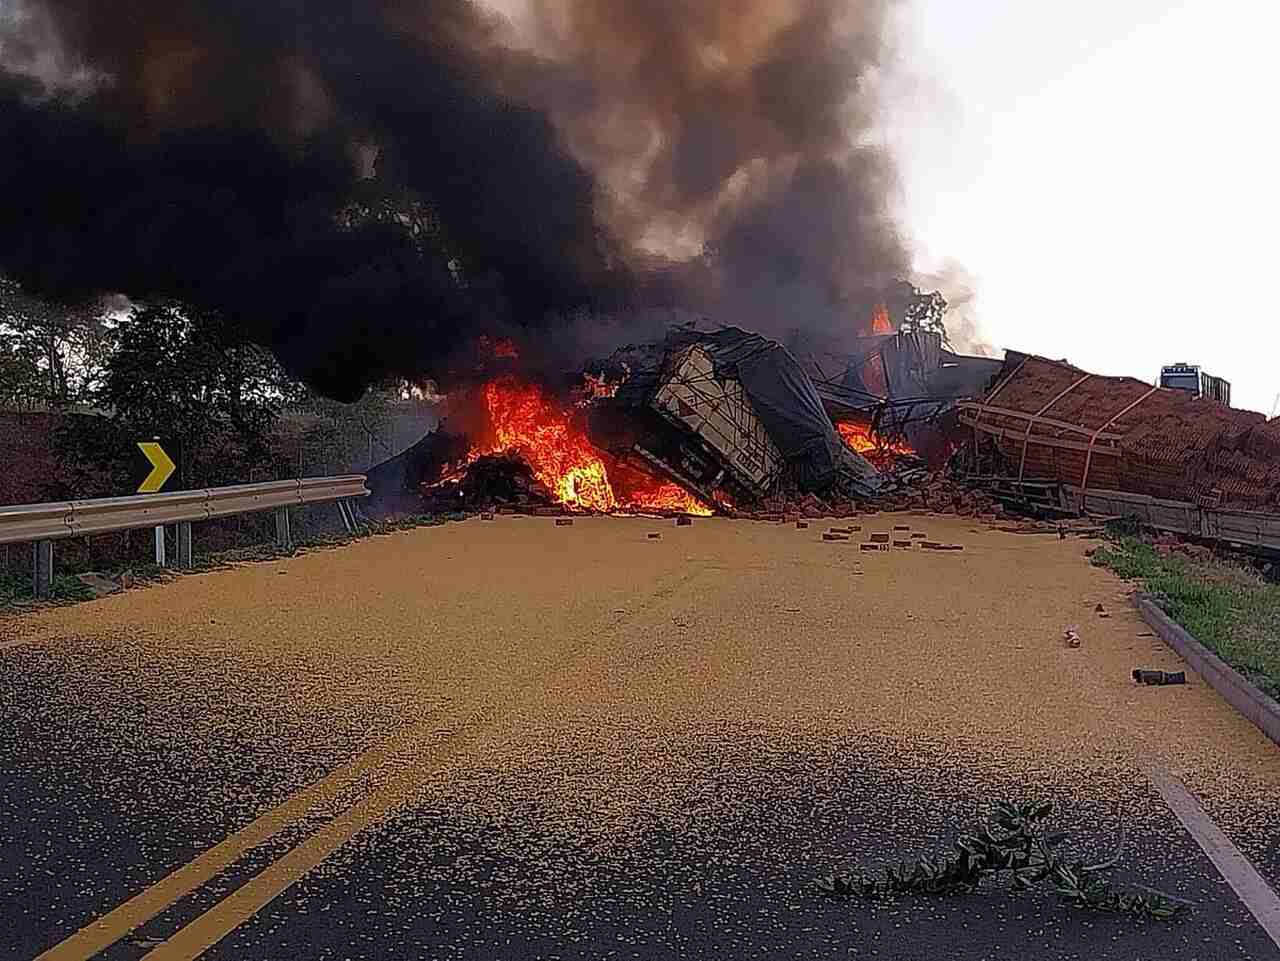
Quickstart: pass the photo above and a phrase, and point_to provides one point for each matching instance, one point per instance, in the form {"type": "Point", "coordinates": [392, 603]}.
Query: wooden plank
{"type": "Point", "coordinates": [1008, 433]}
{"type": "Point", "coordinates": [1024, 415]}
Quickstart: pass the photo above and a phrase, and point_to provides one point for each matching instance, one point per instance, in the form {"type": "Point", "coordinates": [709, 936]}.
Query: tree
{"type": "Point", "coordinates": [925, 312]}
{"type": "Point", "coordinates": [65, 344]}
{"type": "Point", "coordinates": [190, 376]}
{"type": "Point", "coordinates": [21, 381]}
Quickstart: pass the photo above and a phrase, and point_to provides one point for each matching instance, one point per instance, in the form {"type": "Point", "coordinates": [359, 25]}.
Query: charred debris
{"type": "Point", "coordinates": [720, 421]}
{"type": "Point", "coordinates": [731, 422]}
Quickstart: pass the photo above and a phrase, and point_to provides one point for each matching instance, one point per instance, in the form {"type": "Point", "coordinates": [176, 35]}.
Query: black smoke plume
{"type": "Point", "coordinates": [367, 187]}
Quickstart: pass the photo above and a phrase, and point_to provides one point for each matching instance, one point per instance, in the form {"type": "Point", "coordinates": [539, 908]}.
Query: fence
{"type": "Point", "coordinates": [42, 524]}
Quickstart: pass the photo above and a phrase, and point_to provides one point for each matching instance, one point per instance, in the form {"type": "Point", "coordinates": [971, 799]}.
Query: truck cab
{"type": "Point", "coordinates": [1190, 378]}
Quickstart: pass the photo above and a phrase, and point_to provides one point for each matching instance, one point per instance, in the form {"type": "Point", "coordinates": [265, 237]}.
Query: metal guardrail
{"type": "Point", "coordinates": [42, 524]}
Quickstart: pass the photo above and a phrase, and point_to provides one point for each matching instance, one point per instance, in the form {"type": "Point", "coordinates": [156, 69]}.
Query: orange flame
{"type": "Point", "coordinates": [503, 348]}
{"type": "Point", "coordinates": [523, 418]}
{"type": "Point", "coordinates": [597, 387]}
{"type": "Point", "coordinates": [870, 445]}
{"type": "Point", "coordinates": [880, 322]}
{"type": "Point", "coordinates": [667, 496]}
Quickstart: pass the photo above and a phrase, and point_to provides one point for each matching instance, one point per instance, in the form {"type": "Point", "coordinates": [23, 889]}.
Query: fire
{"type": "Point", "coordinates": [522, 417]}
{"type": "Point", "coordinates": [870, 445]}
{"type": "Point", "coordinates": [880, 322]}
{"type": "Point", "coordinates": [503, 348]}
{"type": "Point", "coordinates": [667, 496]}
{"type": "Point", "coordinates": [597, 387]}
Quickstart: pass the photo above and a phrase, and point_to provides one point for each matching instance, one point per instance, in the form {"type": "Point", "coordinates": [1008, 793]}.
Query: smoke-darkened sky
{"type": "Point", "coordinates": [601, 154]}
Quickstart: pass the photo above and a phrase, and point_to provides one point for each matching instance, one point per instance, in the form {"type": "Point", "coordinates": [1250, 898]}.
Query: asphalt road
{"type": "Point", "coordinates": [511, 740]}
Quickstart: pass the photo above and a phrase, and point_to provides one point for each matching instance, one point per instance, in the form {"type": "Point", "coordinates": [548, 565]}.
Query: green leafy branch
{"type": "Point", "coordinates": [1013, 841]}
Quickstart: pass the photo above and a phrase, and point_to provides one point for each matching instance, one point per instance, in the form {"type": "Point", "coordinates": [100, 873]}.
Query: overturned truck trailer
{"type": "Point", "coordinates": [726, 412]}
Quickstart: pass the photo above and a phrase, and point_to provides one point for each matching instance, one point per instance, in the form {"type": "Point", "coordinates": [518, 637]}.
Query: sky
{"type": "Point", "coordinates": [1102, 172]}
{"type": "Point", "coordinates": [1106, 172]}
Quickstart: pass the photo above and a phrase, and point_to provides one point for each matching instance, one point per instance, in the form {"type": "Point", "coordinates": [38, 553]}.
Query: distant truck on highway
{"type": "Point", "coordinates": [1190, 378]}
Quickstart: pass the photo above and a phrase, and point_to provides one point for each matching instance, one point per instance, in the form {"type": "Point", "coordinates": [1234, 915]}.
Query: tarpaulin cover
{"type": "Point", "coordinates": [785, 400]}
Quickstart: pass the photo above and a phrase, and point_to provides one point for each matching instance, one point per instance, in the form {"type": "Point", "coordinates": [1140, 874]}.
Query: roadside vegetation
{"type": "Point", "coordinates": [1228, 607]}
{"type": "Point", "coordinates": [81, 383]}
{"type": "Point", "coordinates": [1014, 842]}
{"type": "Point", "coordinates": [16, 589]}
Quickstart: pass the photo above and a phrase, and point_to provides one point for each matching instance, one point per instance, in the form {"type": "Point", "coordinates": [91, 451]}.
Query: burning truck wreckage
{"type": "Point", "coordinates": [738, 174]}
{"type": "Point", "coordinates": [721, 421]}
{"type": "Point", "coordinates": [726, 421]}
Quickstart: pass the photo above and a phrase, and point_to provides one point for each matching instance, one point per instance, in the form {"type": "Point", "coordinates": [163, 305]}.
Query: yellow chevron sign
{"type": "Point", "coordinates": [162, 467]}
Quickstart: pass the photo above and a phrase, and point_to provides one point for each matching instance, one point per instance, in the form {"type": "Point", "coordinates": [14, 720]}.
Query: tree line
{"type": "Point", "coordinates": [119, 372]}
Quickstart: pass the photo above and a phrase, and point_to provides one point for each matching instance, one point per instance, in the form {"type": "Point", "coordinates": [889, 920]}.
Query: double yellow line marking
{"type": "Point", "coordinates": [241, 905]}
{"type": "Point", "coordinates": [399, 764]}
{"type": "Point", "coordinates": [397, 752]}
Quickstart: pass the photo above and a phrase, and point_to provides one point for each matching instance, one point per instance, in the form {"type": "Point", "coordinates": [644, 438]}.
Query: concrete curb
{"type": "Point", "coordinates": [1226, 680]}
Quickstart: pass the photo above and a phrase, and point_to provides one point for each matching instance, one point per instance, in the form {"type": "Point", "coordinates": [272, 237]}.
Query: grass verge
{"type": "Point", "coordinates": [1226, 607]}
{"type": "Point", "coordinates": [66, 588]}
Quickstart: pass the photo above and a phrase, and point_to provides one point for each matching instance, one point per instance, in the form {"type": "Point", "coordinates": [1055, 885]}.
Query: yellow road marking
{"type": "Point", "coordinates": [20, 642]}
{"type": "Point", "coordinates": [246, 901]}
{"type": "Point", "coordinates": [398, 753]}
{"type": "Point", "coordinates": [32, 639]}
{"type": "Point", "coordinates": [114, 925]}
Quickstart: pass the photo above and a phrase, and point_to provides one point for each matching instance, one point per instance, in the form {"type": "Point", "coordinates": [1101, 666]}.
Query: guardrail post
{"type": "Point", "coordinates": [41, 524]}
{"type": "Point", "coordinates": [348, 521]}
{"type": "Point", "coordinates": [42, 577]}
{"type": "Point", "coordinates": [283, 539]}
{"type": "Point", "coordinates": [184, 544]}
